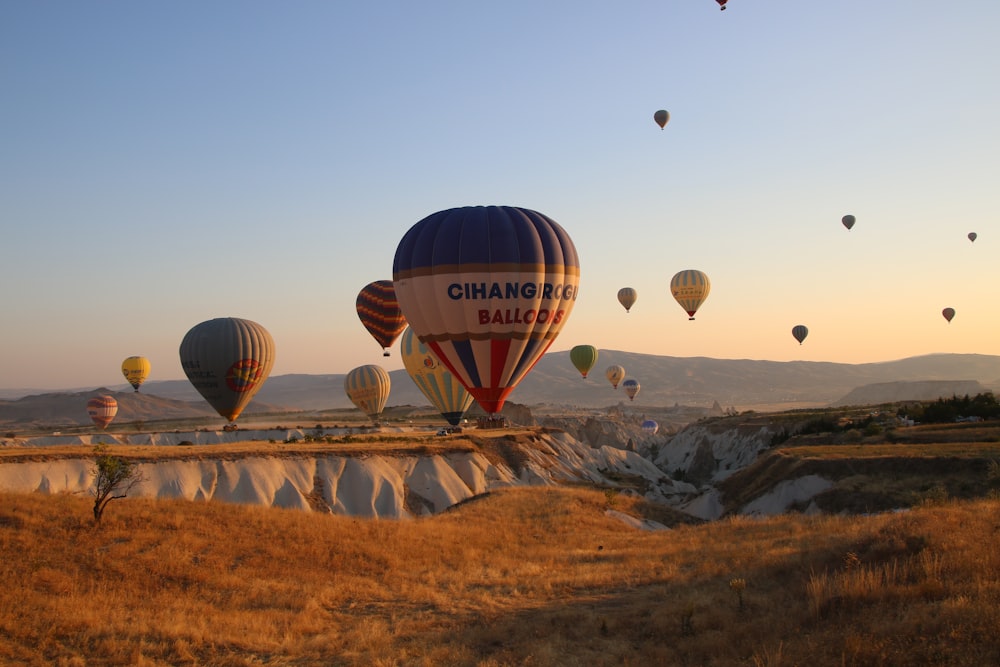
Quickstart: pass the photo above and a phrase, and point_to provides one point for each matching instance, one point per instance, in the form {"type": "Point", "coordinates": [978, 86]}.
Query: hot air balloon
{"type": "Point", "coordinates": [102, 410]}
{"type": "Point", "coordinates": [722, 4]}
{"type": "Point", "coordinates": [487, 289]}
{"type": "Point", "coordinates": [662, 117]}
{"type": "Point", "coordinates": [627, 297]}
{"type": "Point", "coordinates": [436, 382]}
{"type": "Point", "coordinates": [135, 370]}
{"type": "Point", "coordinates": [690, 288]}
{"type": "Point", "coordinates": [799, 331]}
{"type": "Point", "coordinates": [848, 221]}
{"type": "Point", "coordinates": [948, 313]}
{"type": "Point", "coordinates": [368, 388]}
{"type": "Point", "coordinates": [631, 388]}
{"type": "Point", "coordinates": [650, 427]}
{"type": "Point", "coordinates": [972, 236]}
{"type": "Point", "coordinates": [615, 374]}
{"type": "Point", "coordinates": [583, 358]}
{"type": "Point", "coordinates": [379, 312]}
{"type": "Point", "coordinates": [227, 360]}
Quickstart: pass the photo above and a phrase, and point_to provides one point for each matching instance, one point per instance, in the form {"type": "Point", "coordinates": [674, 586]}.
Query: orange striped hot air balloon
{"type": "Point", "coordinates": [379, 311]}
{"type": "Point", "coordinates": [102, 410]}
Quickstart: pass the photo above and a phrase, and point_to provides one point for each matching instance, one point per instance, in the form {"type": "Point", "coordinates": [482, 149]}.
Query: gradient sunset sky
{"type": "Point", "coordinates": [166, 163]}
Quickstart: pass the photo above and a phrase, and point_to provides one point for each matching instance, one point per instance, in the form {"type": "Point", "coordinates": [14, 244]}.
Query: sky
{"type": "Point", "coordinates": [166, 163]}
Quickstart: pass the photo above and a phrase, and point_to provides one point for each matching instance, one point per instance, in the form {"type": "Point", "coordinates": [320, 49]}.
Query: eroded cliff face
{"type": "Point", "coordinates": [384, 486]}
{"type": "Point", "coordinates": [710, 452]}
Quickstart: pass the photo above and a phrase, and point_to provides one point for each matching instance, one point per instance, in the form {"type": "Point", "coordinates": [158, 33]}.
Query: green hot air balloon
{"type": "Point", "coordinates": [227, 360]}
{"type": "Point", "coordinates": [583, 357]}
{"type": "Point", "coordinates": [437, 383]}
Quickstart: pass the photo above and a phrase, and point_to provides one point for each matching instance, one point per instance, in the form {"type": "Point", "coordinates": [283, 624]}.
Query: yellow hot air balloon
{"type": "Point", "coordinates": [102, 410]}
{"type": "Point", "coordinates": [368, 388]}
{"type": "Point", "coordinates": [583, 358]}
{"type": "Point", "coordinates": [615, 374]}
{"type": "Point", "coordinates": [627, 297]}
{"type": "Point", "coordinates": [227, 359]}
{"type": "Point", "coordinates": [135, 370]}
{"type": "Point", "coordinates": [690, 288]}
{"type": "Point", "coordinates": [433, 378]}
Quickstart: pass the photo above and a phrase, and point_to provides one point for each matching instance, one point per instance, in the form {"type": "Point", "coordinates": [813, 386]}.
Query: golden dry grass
{"type": "Point", "coordinates": [526, 576]}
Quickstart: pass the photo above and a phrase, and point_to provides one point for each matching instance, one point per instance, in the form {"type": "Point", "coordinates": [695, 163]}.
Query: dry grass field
{"type": "Point", "coordinates": [526, 576]}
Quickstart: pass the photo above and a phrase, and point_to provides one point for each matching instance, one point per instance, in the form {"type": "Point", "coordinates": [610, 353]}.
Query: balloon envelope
{"type": "Point", "coordinates": [848, 221]}
{"type": "Point", "coordinates": [583, 358]}
{"type": "Point", "coordinates": [650, 426]}
{"type": "Point", "coordinates": [631, 388]}
{"type": "Point", "coordinates": [948, 313]}
{"type": "Point", "coordinates": [487, 289]}
{"type": "Point", "coordinates": [102, 410]}
{"type": "Point", "coordinates": [368, 388]}
{"type": "Point", "coordinates": [690, 288]}
{"type": "Point", "coordinates": [627, 297]}
{"type": "Point", "coordinates": [662, 117]}
{"type": "Point", "coordinates": [135, 370]}
{"type": "Point", "coordinates": [227, 359]}
{"type": "Point", "coordinates": [437, 383]}
{"type": "Point", "coordinates": [379, 311]}
{"type": "Point", "coordinates": [615, 374]}
{"type": "Point", "coordinates": [799, 331]}
{"type": "Point", "coordinates": [972, 236]}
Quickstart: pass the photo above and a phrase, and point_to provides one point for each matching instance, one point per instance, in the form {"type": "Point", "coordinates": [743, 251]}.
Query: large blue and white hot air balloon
{"type": "Point", "coordinates": [487, 289]}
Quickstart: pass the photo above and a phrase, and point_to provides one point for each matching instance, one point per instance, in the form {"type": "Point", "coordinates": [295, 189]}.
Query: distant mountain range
{"type": "Point", "coordinates": [665, 381]}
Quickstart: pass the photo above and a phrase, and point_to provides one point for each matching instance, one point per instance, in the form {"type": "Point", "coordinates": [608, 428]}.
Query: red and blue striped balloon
{"type": "Point", "coordinates": [487, 289]}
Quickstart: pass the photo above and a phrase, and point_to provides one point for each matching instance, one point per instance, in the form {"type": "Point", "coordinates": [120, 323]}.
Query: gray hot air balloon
{"type": "Point", "coordinates": [227, 360]}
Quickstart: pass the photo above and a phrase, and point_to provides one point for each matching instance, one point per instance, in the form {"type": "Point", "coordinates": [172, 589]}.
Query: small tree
{"type": "Point", "coordinates": [114, 477]}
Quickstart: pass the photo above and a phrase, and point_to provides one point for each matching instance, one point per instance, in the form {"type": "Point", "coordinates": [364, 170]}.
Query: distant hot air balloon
{"type": "Point", "coordinates": [972, 236]}
{"type": "Point", "coordinates": [379, 311]}
{"type": "Point", "coordinates": [662, 117]}
{"type": "Point", "coordinates": [799, 331]}
{"type": "Point", "coordinates": [948, 313]}
{"type": "Point", "coordinates": [615, 374]}
{"type": "Point", "coordinates": [102, 410]}
{"type": "Point", "coordinates": [722, 4]}
{"type": "Point", "coordinates": [690, 288]}
{"type": "Point", "coordinates": [368, 388]}
{"type": "Point", "coordinates": [848, 221]}
{"type": "Point", "coordinates": [227, 359]}
{"type": "Point", "coordinates": [487, 289]}
{"type": "Point", "coordinates": [441, 388]}
{"type": "Point", "coordinates": [631, 388]}
{"type": "Point", "coordinates": [650, 427]}
{"type": "Point", "coordinates": [627, 297]}
{"type": "Point", "coordinates": [583, 358]}
{"type": "Point", "coordinates": [135, 370]}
